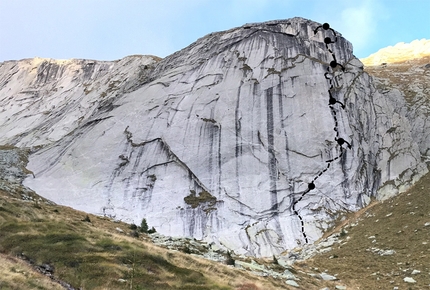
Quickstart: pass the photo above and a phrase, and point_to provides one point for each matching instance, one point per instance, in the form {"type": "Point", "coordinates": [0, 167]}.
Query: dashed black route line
{"type": "Point", "coordinates": [333, 67]}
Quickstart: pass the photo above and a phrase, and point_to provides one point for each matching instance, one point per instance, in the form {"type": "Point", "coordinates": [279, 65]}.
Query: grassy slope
{"type": "Point", "coordinates": [396, 224]}
{"type": "Point", "coordinates": [93, 255]}
{"type": "Point", "coordinates": [15, 273]}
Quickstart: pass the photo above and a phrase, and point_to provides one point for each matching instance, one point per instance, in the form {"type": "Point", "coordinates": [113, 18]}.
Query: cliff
{"type": "Point", "coordinates": [252, 138]}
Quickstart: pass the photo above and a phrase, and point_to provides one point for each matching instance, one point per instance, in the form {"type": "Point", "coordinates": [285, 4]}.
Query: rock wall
{"type": "Point", "coordinates": [13, 172]}
{"type": "Point", "coordinates": [235, 139]}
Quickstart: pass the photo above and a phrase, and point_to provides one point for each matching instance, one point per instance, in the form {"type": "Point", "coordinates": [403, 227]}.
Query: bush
{"type": "Point", "coordinates": [133, 227]}
{"type": "Point", "coordinates": [86, 219]}
{"type": "Point", "coordinates": [185, 249]}
{"type": "Point", "coordinates": [152, 230]}
{"type": "Point", "coordinates": [229, 260]}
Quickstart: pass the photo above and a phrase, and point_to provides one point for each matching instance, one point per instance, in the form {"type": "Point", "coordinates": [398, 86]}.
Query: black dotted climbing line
{"type": "Point", "coordinates": [329, 75]}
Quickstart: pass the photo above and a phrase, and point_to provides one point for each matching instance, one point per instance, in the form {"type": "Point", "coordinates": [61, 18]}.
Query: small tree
{"type": "Point", "coordinates": [144, 226]}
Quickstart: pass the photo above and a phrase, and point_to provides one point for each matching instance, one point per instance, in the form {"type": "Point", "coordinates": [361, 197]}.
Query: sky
{"type": "Point", "coordinates": [113, 29]}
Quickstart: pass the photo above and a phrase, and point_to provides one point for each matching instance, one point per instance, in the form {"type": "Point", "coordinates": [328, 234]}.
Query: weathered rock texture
{"type": "Point", "coordinates": [13, 172]}
{"type": "Point", "coordinates": [410, 82]}
{"type": "Point", "coordinates": [221, 141]}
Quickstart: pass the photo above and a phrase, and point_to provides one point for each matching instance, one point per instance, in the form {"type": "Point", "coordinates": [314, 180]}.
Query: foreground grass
{"type": "Point", "coordinates": [93, 255]}
{"type": "Point", "coordinates": [16, 274]}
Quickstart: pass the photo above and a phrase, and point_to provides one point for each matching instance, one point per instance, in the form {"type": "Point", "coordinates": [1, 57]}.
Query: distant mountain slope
{"type": "Point", "coordinates": [412, 79]}
{"type": "Point", "coordinates": [399, 52]}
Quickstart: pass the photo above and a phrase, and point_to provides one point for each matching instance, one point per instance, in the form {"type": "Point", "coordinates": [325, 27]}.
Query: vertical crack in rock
{"type": "Point", "coordinates": [333, 68]}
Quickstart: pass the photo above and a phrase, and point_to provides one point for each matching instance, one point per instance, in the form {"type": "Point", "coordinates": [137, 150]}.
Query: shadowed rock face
{"type": "Point", "coordinates": [232, 140]}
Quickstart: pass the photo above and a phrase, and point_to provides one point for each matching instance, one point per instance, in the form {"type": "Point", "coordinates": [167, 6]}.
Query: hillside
{"type": "Point", "coordinates": [384, 244]}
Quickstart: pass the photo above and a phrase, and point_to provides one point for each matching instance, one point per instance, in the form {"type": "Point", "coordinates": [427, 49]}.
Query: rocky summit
{"type": "Point", "coordinates": [251, 139]}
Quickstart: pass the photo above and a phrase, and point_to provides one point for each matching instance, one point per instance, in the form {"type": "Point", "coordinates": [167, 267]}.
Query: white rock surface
{"type": "Point", "coordinates": [218, 141]}
{"type": "Point", "coordinates": [328, 277]}
{"type": "Point", "coordinates": [409, 280]}
{"type": "Point", "coordinates": [292, 283]}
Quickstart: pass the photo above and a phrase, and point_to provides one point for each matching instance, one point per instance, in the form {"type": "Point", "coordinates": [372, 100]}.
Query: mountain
{"type": "Point", "coordinates": [252, 139]}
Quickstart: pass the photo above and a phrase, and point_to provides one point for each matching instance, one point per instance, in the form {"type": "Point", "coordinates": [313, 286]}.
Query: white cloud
{"type": "Point", "coordinates": [360, 22]}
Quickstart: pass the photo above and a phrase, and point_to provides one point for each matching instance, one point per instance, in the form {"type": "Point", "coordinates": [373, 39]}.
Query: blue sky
{"type": "Point", "coordinates": [112, 29]}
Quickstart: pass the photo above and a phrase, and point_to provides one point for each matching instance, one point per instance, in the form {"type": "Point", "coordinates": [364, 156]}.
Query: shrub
{"type": "Point", "coordinates": [133, 227]}
{"type": "Point", "coordinates": [229, 260]}
{"type": "Point", "coordinates": [185, 249]}
{"type": "Point", "coordinates": [152, 230]}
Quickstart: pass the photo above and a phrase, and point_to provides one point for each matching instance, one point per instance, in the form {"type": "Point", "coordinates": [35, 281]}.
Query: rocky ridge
{"type": "Point", "coordinates": [399, 53]}
{"type": "Point", "coordinates": [409, 78]}
{"type": "Point", "coordinates": [233, 134]}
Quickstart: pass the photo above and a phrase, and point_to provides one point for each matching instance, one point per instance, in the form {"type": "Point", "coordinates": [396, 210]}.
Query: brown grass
{"type": "Point", "coordinates": [16, 274]}
{"type": "Point", "coordinates": [396, 224]}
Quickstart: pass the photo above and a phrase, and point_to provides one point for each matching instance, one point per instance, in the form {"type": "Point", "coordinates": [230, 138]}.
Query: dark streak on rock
{"type": "Point", "coordinates": [238, 147]}
{"type": "Point", "coordinates": [273, 173]}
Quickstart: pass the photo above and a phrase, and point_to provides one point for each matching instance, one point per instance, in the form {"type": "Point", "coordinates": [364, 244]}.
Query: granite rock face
{"type": "Point", "coordinates": [234, 140]}
{"type": "Point", "coordinates": [13, 172]}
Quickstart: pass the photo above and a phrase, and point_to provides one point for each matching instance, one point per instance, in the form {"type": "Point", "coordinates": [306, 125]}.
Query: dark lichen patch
{"type": "Point", "coordinates": [272, 71]}
{"type": "Point", "coordinates": [204, 197]}
{"type": "Point", "coordinates": [246, 68]}
{"type": "Point", "coordinates": [209, 120]}
{"type": "Point", "coordinates": [152, 177]}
